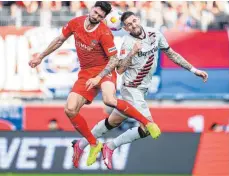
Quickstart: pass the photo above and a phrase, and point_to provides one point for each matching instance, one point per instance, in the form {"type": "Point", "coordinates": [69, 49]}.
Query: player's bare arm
{"type": "Point", "coordinates": [126, 62]}
{"type": "Point", "coordinates": [179, 60]}
{"type": "Point", "coordinates": [55, 44]}
{"type": "Point", "coordinates": [113, 62]}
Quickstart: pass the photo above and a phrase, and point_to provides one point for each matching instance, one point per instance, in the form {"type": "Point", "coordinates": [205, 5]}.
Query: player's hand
{"type": "Point", "coordinates": [35, 61]}
{"type": "Point", "coordinates": [92, 82]}
{"type": "Point", "coordinates": [136, 48]}
{"type": "Point", "coordinates": [202, 74]}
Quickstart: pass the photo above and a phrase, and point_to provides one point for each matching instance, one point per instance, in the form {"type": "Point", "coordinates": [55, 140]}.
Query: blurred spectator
{"type": "Point", "coordinates": [181, 15]}
{"type": "Point", "coordinates": [169, 15]}
{"type": "Point", "coordinates": [45, 14]}
{"type": "Point", "coordinates": [154, 14]}
{"type": "Point", "coordinates": [219, 128]}
{"type": "Point", "coordinates": [221, 18]}
{"type": "Point", "coordinates": [53, 125]}
{"type": "Point", "coordinates": [78, 8]}
{"type": "Point", "coordinates": [30, 14]}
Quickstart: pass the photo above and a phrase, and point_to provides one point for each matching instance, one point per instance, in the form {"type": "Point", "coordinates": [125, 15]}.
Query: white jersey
{"type": "Point", "coordinates": [144, 63]}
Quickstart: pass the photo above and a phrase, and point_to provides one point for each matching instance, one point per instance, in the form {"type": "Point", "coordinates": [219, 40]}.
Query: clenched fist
{"type": "Point", "coordinates": [136, 48]}
{"type": "Point", "coordinates": [35, 61]}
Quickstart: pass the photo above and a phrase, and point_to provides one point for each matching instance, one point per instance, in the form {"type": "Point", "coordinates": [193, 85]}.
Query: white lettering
{"type": "Point", "coordinates": [26, 153]}
{"type": "Point", "coordinates": [7, 156]}
{"type": "Point", "coordinates": [67, 162]}
{"type": "Point", "coordinates": [50, 145]}
{"type": "Point", "coordinates": [196, 123]}
{"type": "Point", "coordinates": [120, 157]}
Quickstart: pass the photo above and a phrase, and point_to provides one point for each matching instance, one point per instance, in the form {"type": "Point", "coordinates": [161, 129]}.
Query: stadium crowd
{"type": "Point", "coordinates": [204, 15]}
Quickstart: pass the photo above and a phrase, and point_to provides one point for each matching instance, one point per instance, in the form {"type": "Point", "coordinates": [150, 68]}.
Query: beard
{"type": "Point", "coordinates": [137, 32]}
{"type": "Point", "coordinates": [93, 21]}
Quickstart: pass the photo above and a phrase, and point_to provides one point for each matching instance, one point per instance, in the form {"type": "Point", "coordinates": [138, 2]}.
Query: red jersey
{"type": "Point", "coordinates": [93, 46]}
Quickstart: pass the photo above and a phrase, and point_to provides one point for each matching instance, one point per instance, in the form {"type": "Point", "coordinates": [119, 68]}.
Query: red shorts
{"type": "Point", "coordinates": [84, 75]}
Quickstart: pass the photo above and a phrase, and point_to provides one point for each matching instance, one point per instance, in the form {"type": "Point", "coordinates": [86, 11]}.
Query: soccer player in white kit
{"type": "Point", "coordinates": [138, 62]}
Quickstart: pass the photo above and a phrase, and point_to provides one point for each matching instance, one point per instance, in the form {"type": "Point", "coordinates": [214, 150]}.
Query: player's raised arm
{"type": "Point", "coordinates": [125, 62]}
{"type": "Point", "coordinates": [55, 44]}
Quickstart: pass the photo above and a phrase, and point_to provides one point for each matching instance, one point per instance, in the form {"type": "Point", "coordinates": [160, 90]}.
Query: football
{"type": "Point", "coordinates": [113, 20]}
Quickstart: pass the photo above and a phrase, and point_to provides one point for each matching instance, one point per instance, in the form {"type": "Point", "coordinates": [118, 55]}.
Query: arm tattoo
{"type": "Point", "coordinates": [178, 59]}
{"type": "Point", "coordinates": [55, 44]}
{"type": "Point", "coordinates": [125, 63]}
{"type": "Point", "coordinates": [113, 62]}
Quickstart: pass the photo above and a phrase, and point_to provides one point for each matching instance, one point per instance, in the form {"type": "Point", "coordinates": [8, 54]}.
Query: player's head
{"type": "Point", "coordinates": [99, 11]}
{"type": "Point", "coordinates": [131, 23]}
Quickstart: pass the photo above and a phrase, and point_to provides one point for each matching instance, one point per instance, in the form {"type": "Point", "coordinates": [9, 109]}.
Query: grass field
{"type": "Point", "coordinates": [12, 174]}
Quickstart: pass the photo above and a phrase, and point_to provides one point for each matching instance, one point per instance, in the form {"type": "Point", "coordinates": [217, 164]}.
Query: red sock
{"type": "Point", "coordinates": [132, 112]}
{"type": "Point", "coordinates": [81, 126]}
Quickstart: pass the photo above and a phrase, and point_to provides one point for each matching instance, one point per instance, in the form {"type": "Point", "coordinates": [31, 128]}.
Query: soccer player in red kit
{"type": "Point", "coordinates": [98, 58]}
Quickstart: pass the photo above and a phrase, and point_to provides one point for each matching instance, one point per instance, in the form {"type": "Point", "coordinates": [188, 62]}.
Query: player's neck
{"type": "Point", "coordinates": [141, 36]}
{"type": "Point", "coordinates": [89, 25]}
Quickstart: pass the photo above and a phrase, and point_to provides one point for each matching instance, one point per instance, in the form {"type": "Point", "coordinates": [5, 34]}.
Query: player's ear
{"type": "Point", "coordinates": [126, 29]}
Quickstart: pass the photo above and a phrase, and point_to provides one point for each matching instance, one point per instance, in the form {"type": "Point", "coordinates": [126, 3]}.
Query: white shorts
{"type": "Point", "coordinates": [136, 97]}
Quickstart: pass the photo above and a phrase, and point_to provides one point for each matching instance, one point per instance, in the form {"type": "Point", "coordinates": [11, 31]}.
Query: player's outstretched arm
{"type": "Point", "coordinates": [179, 60]}
{"type": "Point", "coordinates": [127, 61]}
{"type": "Point", "coordinates": [55, 44]}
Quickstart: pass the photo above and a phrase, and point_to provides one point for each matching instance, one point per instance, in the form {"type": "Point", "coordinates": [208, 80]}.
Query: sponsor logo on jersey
{"type": "Point", "coordinates": [112, 49]}
{"type": "Point", "coordinates": [94, 42]}
{"type": "Point", "coordinates": [123, 51]}
{"type": "Point", "coordinates": [83, 46]}
{"type": "Point", "coordinates": [140, 54]}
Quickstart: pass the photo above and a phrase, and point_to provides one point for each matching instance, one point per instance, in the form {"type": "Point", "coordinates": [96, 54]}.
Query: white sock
{"type": "Point", "coordinates": [98, 130]}
{"type": "Point", "coordinates": [126, 137]}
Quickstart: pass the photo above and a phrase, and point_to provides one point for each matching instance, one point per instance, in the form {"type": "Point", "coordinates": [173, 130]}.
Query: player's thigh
{"type": "Point", "coordinates": [80, 86]}
{"type": "Point", "coordinates": [115, 119]}
{"type": "Point", "coordinates": [108, 92]}
{"type": "Point", "coordinates": [108, 88]}
{"type": "Point", "coordinates": [136, 98]}
{"type": "Point", "coordinates": [74, 102]}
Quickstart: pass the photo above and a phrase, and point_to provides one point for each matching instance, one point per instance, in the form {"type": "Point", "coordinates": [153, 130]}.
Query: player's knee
{"type": "Point", "coordinates": [143, 133]}
{"type": "Point", "coordinates": [109, 125]}
{"type": "Point", "coordinates": [70, 111]}
{"type": "Point", "coordinates": [112, 122]}
{"type": "Point", "coordinates": [110, 101]}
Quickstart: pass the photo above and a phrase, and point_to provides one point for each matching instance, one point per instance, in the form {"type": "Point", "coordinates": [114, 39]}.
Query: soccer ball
{"type": "Point", "coordinates": [113, 20]}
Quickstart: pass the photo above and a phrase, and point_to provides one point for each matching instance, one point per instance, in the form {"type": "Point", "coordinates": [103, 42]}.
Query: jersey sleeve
{"type": "Point", "coordinates": [163, 44]}
{"type": "Point", "coordinates": [125, 49]}
{"type": "Point", "coordinates": [67, 29]}
{"type": "Point", "coordinates": [107, 42]}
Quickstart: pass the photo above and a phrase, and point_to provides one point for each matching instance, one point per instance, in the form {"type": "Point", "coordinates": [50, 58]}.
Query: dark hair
{"type": "Point", "coordinates": [104, 5]}
{"type": "Point", "coordinates": [53, 120]}
{"type": "Point", "coordinates": [213, 126]}
{"type": "Point", "coordinates": [126, 15]}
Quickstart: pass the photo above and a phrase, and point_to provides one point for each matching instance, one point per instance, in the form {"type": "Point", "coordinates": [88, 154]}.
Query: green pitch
{"type": "Point", "coordinates": [12, 174]}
